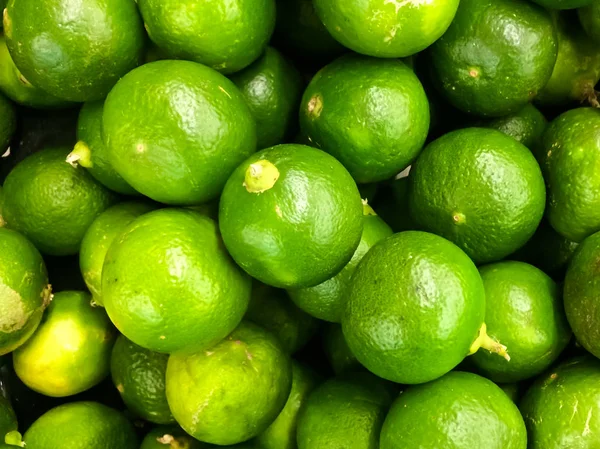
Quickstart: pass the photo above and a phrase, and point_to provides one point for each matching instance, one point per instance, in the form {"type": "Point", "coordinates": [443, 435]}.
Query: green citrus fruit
{"type": "Point", "coordinates": [337, 351]}
{"type": "Point", "coordinates": [562, 408]}
{"type": "Point", "coordinates": [589, 16]}
{"type": "Point", "coordinates": [563, 4]}
{"type": "Point", "coordinates": [513, 391]}
{"type": "Point", "coordinates": [338, 116]}
{"type": "Point", "coordinates": [168, 283]}
{"type": "Point", "coordinates": [24, 290]}
{"type": "Point", "coordinates": [392, 203]}
{"type": "Point", "coordinates": [175, 130]}
{"type": "Point", "coordinates": [527, 126]}
{"type": "Point", "coordinates": [98, 238]}
{"type": "Point", "coordinates": [495, 57]}
{"type": "Point", "coordinates": [458, 411]}
{"type": "Point", "coordinates": [291, 216]}
{"type": "Point", "coordinates": [8, 419]}
{"type": "Point", "coordinates": [8, 122]}
{"type": "Point", "coordinates": [170, 437]}
{"type": "Point", "coordinates": [51, 202]}
{"type": "Point", "coordinates": [327, 301]}
{"type": "Point", "coordinates": [480, 189]}
{"type": "Point", "coordinates": [226, 35]}
{"type": "Point", "coordinates": [232, 391]}
{"type": "Point", "coordinates": [272, 87]}
{"type": "Point", "coordinates": [81, 425]}
{"type": "Point", "coordinates": [535, 340]}
{"type": "Point", "coordinates": [139, 375]}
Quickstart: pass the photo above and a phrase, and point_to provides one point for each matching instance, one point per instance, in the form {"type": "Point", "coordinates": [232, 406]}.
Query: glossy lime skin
{"type": "Point", "coordinates": [98, 238]}
{"type": "Point", "coordinates": [458, 411]}
{"type": "Point", "coordinates": [81, 425]}
{"type": "Point", "coordinates": [139, 375]}
{"type": "Point", "coordinates": [563, 4]}
{"type": "Point", "coordinates": [389, 29]}
{"type": "Point", "coordinates": [480, 189]}
{"type": "Point", "coordinates": [370, 114]}
{"type": "Point", "coordinates": [535, 339]}
{"type": "Point", "coordinates": [181, 440]}
{"type": "Point", "coordinates": [8, 122]}
{"type": "Point", "coordinates": [222, 34]}
{"type": "Point", "coordinates": [313, 208]}
{"type": "Point", "coordinates": [8, 419]}
{"type": "Point", "coordinates": [72, 49]}
{"type": "Point", "coordinates": [484, 70]}
{"type": "Point", "coordinates": [571, 161]}
{"type": "Point", "coordinates": [526, 126]}
{"type": "Point", "coordinates": [24, 291]}
{"type": "Point", "coordinates": [173, 138]}
{"type": "Point", "coordinates": [272, 87]}
{"type": "Point", "coordinates": [51, 202]}
{"type": "Point", "coordinates": [415, 307]}
{"type": "Point", "coordinates": [70, 351]}
{"type": "Point", "coordinates": [589, 16]}
{"type": "Point", "coordinates": [233, 391]}
{"type": "Point", "coordinates": [186, 294]}
{"type": "Point", "coordinates": [561, 409]}
{"type": "Point", "coordinates": [327, 301]}
{"type": "Point", "coordinates": [338, 353]}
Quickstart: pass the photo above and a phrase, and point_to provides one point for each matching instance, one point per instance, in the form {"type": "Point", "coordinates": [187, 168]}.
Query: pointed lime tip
{"type": "Point", "coordinates": [260, 176]}
{"type": "Point", "coordinates": [484, 341]}
{"type": "Point", "coordinates": [81, 155]}
{"type": "Point", "coordinates": [367, 210]}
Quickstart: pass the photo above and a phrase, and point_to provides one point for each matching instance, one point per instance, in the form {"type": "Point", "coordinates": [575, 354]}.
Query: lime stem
{"type": "Point", "coordinates": [260, 176]}
{"type": "Point", "coordinates": [590, 95]}
{"type": "Point", "coordinates": [367, 209]}
{"type": "Point", "coordinates": [14, 438]}
{"type": "Point", "coordinates": [484, 341]}
{"type": "Point", "coordinates": [81, 155]}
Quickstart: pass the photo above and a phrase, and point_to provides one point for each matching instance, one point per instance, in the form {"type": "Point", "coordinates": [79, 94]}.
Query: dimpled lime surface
{"type": "Point", "coordinates": [480, 189]}
{"type": "Point", "coordinates": [168, 283]}
{"type": "Point", "coordinates": [23, 289]}
{"type": "Point", "coordinates": [534, 340]}
{"type": "Point", "coordinates": [81, 425]}
{"type": "Point", "coordinates": [571, 162]}
{"type": "Point", "coordinates": [562, 408]}
{"type": "Point", "coordinates": [171, 437]}
{"type": "Point", "coordinates": [301, 231]}
{"type": "Point", "coordinates": [415, 306]}
{"type": "Point", "coordinates": [8, 419]}
{"type": "Point", "coordinates": [51, 202]}
{"type": "Point", "coordinates": [371, 114]}
{"type": "Point", "coordinates": [175, 130]}
{"type": "Point", "coordinates": [563, 4]}
{"type": "Point", "coordinates": [139, 375]}
{"type": "Point", "coordinates": [526, 126]}
{"type": "Point", "coordinates": [98, 238]}
{"type": "Point", "coordinates": [387, 29]}
{"type": "Point", "coordinates": [272, 87]}
{"type": "Point", "coordinates": [8, 121]}
{"type": "Point", "coordinates": [232, 391]}
{"type": "Point", "coordinates": [226, 35]}
{"type": "Point", "coordinates": [482, 68]}
{"type": "Point", "coordinates": [457, 411]}
{"type": "Point", "coordinates": [589, 17]}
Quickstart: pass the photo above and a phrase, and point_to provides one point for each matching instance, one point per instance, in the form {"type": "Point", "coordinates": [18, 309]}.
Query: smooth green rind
{"type": "Point", "coordinates": [571, 163]}
{"type": "Point", "coordinates": [415, 308]}
{"type": "Point", "coordinates": [175, 130]}
{"type": "Point", "coordinates": [458, 411]}
{"type": "Point", "coordinates": [563, 4]}
{"type": "Point", "coordinates": [535, 339]}
{"type": "Point", "coordinates": [313, 208]}
{"type": "Point", "coordinates": [526, 126]}
{"type": "Point", "coordinates": [225, 35]}
{"type": "Point", "coordinates": [171, 437]}
{"type": "Point", "coordinates": [24, 290]}
{"type": "Point", "coordinates": [51, 202]}
{"type": "Point", "coordinates": [8, 419]}
{"type": "Point", "coordinates": [233, 391]}
{"type": "Point", "coordinates": [139, 376]}
{"type": "Point", "coordinates": [484, 69]}
{"type": "Point", "coordinates": [338, 353]}
{"type": "Point", "coordinates": [8, 122]}
{"type": "Point", "coordinates": [589, 16]}
{"type": "Point", "coordinates": [370, 114]}
{"type": "Point", "coordinates": [510, 199]}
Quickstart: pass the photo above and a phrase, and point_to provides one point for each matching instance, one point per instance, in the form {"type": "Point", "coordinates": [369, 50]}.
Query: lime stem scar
{"type": "Point", "coordinates": [81, 155]}
{"type": "Point", "coordinates": [260, 176]}
{"type": "Point", "coordinates": [484, 341]}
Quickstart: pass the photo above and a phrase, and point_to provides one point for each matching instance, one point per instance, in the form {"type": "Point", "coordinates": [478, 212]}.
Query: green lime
{"type": "Point", "coordinates": [175, 130]}
{"type": "Point", "coordinates": [458, 411]}
{"type": "Point", "coordinates": [70, 351]}
{"type": "Point", "coordinates": [226, 35]}
{"type": "Point", "coordinates": [8, 122]}
{"type": "Point", "coordinates": [571, 162]}
{"type": "Point", "coordinates": [233, 391]}
{"type": "Point", "coordinates": [496, 56]}
{"type": "Point", "coordinates": [526, 126]}
{"type": "Point", "coordinates": [415, 309]}
{"type": "Point", "coordinates": [563, 4]}
{"type": "Point", "coordinates": [337, 351]}
{"type": "Point", "coordinates": [337, 114]}
{"type": "Point", "coordinates": [139, 375]}
{"type": "Point", "coordinates": [392, 203]}
{"type": "Point", "coordinates": [8, 419]}
{"type": "Point", "coordinates": [81, 425]}
{"type": "Point", "coordinates": [345, 412]}
{"type": "Point", "coordinates": [272, 309]}
{"type": "Point", "coordinates": [589, 16]}
{"type": "Point", "coordinates": [480, 189]}
{"type": "Point", "coordinates": [51, 202]}
{"type": "Point", "coordinates": [291, 216]}
{"type": "Point", "coordinates": [513, 391]}
{"type": "Point", "coordinates": [535, 339]}
{"type": "Point", "coordinates": [562, 408]}
{"type": "Point", "coordinates": [98, 238]}
{"type": "Point", "coordinates": [272, 88]}
{"type": "Point", "coordinates": [2, 223]}
{"type": "Point", "coordinates": [76, 52]}
{"type": "Point", "coordinates": [327, 301]}
{"type": "Point", "coordinates": [24, 290]}
{"type": "Point", "coordinates": [170, 437]}
{"type": "Point", "coordinates": [168, 283]}
{"type": "Point", "coordinates": [388, 29]}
